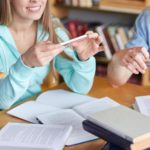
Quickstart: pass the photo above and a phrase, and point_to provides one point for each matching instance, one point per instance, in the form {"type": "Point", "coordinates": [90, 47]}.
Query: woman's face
{"type": "Point", "coordinates": [28, 9]}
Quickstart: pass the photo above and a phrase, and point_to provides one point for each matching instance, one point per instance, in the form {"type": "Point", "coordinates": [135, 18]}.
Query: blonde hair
{"type": "Point", "coordinates": [6, 14]}
{"type": "Point", "coordinates": [46, 21]}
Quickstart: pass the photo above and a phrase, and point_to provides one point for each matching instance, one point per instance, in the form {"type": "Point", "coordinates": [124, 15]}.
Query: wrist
{"type": "Point", "coordinates": [26, 62]}
{"type": "Point", "coordinates": [82, 59]}
{"type": "Point", "coordinates": [118, 57]}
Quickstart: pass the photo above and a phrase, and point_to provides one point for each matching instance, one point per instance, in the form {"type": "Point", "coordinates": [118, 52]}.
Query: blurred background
{"type": "Point", "coordinates": [112, 19]}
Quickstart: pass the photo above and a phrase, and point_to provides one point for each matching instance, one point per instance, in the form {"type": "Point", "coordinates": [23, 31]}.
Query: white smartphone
{"type": "Point", "coordinates": [74, 40]}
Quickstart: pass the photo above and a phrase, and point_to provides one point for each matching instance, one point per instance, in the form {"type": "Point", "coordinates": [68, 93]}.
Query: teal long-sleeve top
{"type": "Point", "coordinates": [22, 82]}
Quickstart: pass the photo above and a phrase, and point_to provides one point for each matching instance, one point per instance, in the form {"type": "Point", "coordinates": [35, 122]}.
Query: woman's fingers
{"type": "Point", "coordinates": [132, 69]}
{"type": "Point", "coordinates": [95, 37]}
{"type": "Point", "coordinates": [51, 54]}
{"type": "Point", "coordinates": [38, 54]}
{"type": "Point", "coordinates": [134, 59]}
{"type": "Point", "coordinates": [99, 40]}
{"type": "Point", "coordinates": [92, 35]}
{"type": "Point", "coordinates": [139, 60]}
{"type": "Point", "coordinates": [127, 63]}
{"type": "Point", "coordinates": [137, 67]}
{"type": "Point", "coordinates": [144, 53]}
{"type": "Point", "coordinates": [50, 47]}
{"type": "Point", "coordinates": [139, 55]}
{"type": "Point", "coordinates": [101, 48]}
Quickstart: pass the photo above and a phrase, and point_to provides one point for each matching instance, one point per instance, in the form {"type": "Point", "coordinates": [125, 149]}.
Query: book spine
{"type": "Point", "coordinates": [106, 46]}
{"type": "Point", "coordinates": [68, 2]}
{"type": "Point", "coordinates": [119, 41]}
{"type": "Point", "coordinates": [75, 3]}
{"type": "Point", "coordinates": [112, 31]}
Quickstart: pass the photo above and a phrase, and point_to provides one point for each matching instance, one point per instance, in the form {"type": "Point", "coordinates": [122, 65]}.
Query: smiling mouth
{"type": "Point", "coordinates": [34, 9]}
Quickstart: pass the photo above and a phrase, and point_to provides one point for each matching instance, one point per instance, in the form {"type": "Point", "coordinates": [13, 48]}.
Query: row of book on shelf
{"type": "Point", "coordinates": [78, 3]}
{"type": "Point", "coordinates": [64, 123]}
{"type": "Point", "coordinates": [114, 38]}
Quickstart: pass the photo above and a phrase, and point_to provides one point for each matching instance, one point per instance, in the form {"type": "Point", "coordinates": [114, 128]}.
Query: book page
{"type": "Point", "coordinates": [29, 110]}
{"type": "Point", "coordinates": [68, 117]}
{"type": "Point", "coordinates": [142, 104]}
{"type": "Point", "coordinates": [63, 99]}
{"type": "Point", "coordinates": [95, 106]}
{"type": "Point", "coordinates": [43, 137]}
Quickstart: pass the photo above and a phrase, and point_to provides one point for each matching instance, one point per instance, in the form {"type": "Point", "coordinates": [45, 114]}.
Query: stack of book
{"type": "Point", "coordinates": [121, 126]}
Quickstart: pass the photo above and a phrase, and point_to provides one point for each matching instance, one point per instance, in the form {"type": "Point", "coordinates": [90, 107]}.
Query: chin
{"type": "Point", "coordinates": [34, 12]}
{"type": "Point", "coordinates": [34, 17]}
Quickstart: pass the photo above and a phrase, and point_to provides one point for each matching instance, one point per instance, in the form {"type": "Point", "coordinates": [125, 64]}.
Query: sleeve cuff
{"type": "Point", "coordinates": [86, 65]}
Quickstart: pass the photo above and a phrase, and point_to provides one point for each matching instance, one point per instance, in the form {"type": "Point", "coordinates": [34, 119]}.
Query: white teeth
{"type": "Point", "coordinates": [34, 8]}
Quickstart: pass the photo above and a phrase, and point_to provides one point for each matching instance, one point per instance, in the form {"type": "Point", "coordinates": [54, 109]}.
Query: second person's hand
{"type": "Point", "coordinates": [134, 59]}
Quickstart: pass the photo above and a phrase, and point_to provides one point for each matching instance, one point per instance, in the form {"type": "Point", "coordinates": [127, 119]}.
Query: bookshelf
{"type": "Point", "coordinates": [110, 12]}
{"type": "Point", "coordinates": [121, 6]}
{"type": "Point", "coordinates": [125, 6]}
{"type": "Point", "coordinates": [59, 12]}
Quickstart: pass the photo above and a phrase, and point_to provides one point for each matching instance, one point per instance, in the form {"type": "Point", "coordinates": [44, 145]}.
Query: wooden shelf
{"type": "Point", "coordinates": [97, 9]}
{"type": "Point", "coordinates": [106, 8]}
{"type": "Point", "coordinates": [61, 12]}
{"type": "Point", "coordinates": [125, 6]}
{"type": "Point", "coordinates": [94, 8]}
{"type": "Point", "coordinates": [122, 10]}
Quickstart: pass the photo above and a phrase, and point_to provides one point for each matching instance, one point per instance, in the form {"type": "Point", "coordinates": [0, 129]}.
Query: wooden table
{"type": "Point", "coordinates": [101, 88]}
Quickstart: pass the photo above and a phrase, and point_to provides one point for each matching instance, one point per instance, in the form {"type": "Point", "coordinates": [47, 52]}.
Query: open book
{"type": "Point", "coordinates": [65, 108]}
{"type": "Point", "coordinates": [132, 127]}
{"type": "Point", "coordinates": [21, 136]}
{"type": "Point", "coordinates": [142, 104]}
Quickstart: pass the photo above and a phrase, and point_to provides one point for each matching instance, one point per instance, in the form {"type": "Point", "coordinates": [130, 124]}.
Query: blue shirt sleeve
{"type": "Point", "coordinates": [141, 34]}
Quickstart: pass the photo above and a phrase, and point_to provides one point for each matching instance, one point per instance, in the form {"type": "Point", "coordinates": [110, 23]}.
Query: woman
{"type": "Point", "coordinates": [28, 44]}
{"type": "Point", "coordinates": [134, 59]}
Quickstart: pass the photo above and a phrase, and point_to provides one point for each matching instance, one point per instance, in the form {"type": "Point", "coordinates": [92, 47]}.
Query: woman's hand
{"type": "Point", "coordinates": [134, 59]}
{"type": "Point", "coordinates": [41, 54]}
{"type": "Point", "coordinates": [88, 46]}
